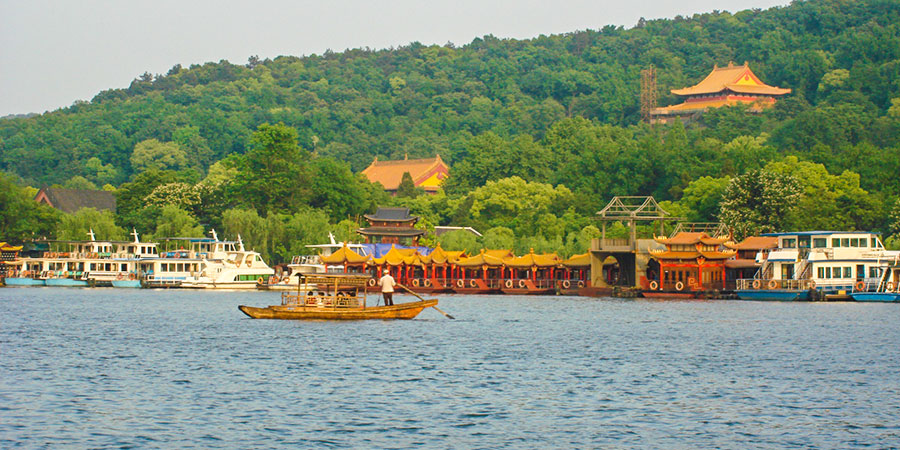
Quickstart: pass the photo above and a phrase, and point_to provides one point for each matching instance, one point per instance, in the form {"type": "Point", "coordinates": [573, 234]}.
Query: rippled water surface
{"type": "Point", "coordinates": [144, 368]}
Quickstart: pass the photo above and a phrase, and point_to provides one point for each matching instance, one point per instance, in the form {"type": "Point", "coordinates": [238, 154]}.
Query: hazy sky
{"type": "Point", "coordinates": [53, 53]}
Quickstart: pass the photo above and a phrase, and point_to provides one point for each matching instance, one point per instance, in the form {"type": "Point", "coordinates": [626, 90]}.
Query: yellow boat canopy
{"type": "Point", "coordinates": [531, 260]}
{"type": "Point", "coordinates": [582, 260]}
{"type": "Point", "coordinates": [9, 248]}
{"type": "Point", "coordinates": [344, 256]}
{"type": "Point", "coordinates": [398, 257]}
{"type": "Point", "coordinates": [440, 256]}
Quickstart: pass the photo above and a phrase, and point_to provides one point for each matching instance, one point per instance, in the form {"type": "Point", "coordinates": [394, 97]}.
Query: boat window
{"type": "Point", "coordinates": [848, 273]}
{"type": "Point", "coordinates": [835, 242]}
{"type": "Point", "coordinates": [874, 243]}
{"type": "Point", "coordinates": [789, 243]}
{"type": "Point", "coordinates": [803, 242]}
{"type": "Point", "coordinates": [820, 242]}
{"type": "Point", "coordinates": [874, 272]}
{"type": "Point", "coordinates": [854, 242]}
{"type": "Point", "coordinates": [821, 272]}
{"type": "Point", "coordinates": [845, 242]}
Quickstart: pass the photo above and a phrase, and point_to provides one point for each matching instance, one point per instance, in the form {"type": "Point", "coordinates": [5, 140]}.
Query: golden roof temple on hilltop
{"type": "Point", "coordinates": [426, 173]}
{"type": "Point", "coordinates": [724, 86]}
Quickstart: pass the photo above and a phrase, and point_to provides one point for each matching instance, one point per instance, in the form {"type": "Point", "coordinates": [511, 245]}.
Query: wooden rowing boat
{"type": "Point", "coordinates": [297, 312]}
{"type": "Point", "coordinates": [334, 297]}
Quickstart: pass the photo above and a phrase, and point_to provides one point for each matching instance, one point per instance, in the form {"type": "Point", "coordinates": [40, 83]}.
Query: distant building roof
{"type": "Point", "coordinates": [71, 200]}
{"type": "Point", "coordinates": [755, 243]}
{"type": "Point", "coordinates": [426, 173]}
{"type": "Point", "coordinates": [391, 215]}
{"type": "Point", "coordinates": [739, 79]}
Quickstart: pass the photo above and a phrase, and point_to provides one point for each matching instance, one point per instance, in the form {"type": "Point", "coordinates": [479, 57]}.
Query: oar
{"type": "Point", "coordinates": [420, 298]}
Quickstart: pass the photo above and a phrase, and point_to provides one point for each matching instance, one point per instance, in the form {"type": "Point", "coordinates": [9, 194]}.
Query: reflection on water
{"type": "Point", "coordinates": [119, 368]}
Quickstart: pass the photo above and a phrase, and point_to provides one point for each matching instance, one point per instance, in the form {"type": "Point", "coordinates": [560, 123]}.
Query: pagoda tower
{"type": "Point", "coordinates": [724, 86]}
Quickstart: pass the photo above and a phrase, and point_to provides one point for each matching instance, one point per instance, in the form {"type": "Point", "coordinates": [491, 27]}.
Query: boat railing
{"type": "Point", "coordinates": [760, 284]}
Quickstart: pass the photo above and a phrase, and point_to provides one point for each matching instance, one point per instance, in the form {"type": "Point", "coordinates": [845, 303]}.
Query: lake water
{"type": "Point", "coordinates": [106, 368]}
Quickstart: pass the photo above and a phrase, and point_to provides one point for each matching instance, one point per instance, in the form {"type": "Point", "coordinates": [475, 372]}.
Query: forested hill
{"type": "Point", "coordinates": [841, 58]}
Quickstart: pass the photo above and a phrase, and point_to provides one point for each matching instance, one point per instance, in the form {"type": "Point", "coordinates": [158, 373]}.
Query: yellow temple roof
{"type": "Point", "coordinates": [738, 79]}
{"type": "Point", "coordinates": [426, 173]}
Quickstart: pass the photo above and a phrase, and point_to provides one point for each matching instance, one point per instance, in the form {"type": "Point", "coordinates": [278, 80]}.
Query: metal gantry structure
{"type": "Point", "coordinates": [648, 92]}
{"type": "Point", "coordinates": [632, 209]}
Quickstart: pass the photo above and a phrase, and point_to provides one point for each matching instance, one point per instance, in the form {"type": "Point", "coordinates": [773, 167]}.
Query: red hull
{"type": "Point", "coordinates": [661, 294]}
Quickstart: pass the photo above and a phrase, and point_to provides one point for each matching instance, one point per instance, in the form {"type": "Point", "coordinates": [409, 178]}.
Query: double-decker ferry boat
{"type": "Point", "coordinates": [84, 263]}
{"type": "Point", "coordinates": [210, 264]}
{"type": "Point", "coordinates": [818, 265]}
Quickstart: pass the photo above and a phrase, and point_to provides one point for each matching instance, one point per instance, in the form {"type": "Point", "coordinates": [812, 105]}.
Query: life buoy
{"type": "Point", "coordinates": [260, 280]}
{"type": "Point", "coordinates": [9, 273]}
{"type": "Point", "coordinates": [427, 282]}
{"type": "Point", "coordinates": [756, 284]}
{"type": "Point", "coordinates": [372, 282]}
{"type": "Point", "coordinates": [679, 286]}
{"type": "Point", "coordinates": [812, 284]}
{"type": "Point", "coordinates": [508, 284]}
{"type": "Point", "coordinates": [692, 281]}
{"type": "Point", "coordinates": [120, 276]}
{"type": "Point", "coordinates": [566, 284]}
{"type": "Point", "coordinates": [889, 286]}
{"type": "Point", "coordinates": [860, 285]}
{"type": "Point", "coordinates": [473, 283]}
{"type": "Point", "coordinates": [460, 283]}
{"type": "Point", "coordinates": [272, 280]}
{"type": "Point", "coordinates": [415, 282]}
{"type": "Point", "coordinates": [580, 283]}
{"type": "Point", "coordinates": [522, 284]}
{"type": "Point", "coordinates": [131, 276]}
{"type": "Point", "coordinates": [772, 284]}
{"type": "Point", "coordinates": [654, 285]}
{"type": "Point", "coordinates": [286, 279]}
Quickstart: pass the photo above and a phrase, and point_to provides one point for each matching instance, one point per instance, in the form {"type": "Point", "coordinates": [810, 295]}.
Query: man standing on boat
{"type": "Point", "coordinates": [387, 288]}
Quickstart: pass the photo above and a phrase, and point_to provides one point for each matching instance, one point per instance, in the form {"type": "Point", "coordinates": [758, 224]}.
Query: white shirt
{"type": "Point", "coordinates": [387, 283]}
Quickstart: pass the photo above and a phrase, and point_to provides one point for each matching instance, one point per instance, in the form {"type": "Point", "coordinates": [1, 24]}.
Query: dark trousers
{"type": "Point", "coordinates": [388, 298]}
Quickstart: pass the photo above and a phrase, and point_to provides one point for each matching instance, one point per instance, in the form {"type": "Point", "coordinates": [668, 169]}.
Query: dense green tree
{"type": "Point", "coordinates": [79, 182]}
{"type": "Point", "coordinates": [702, 198]}
{"type": "Point", "coordinates": [827, 202]}
{"type": "Point", "coordinates": [176, 222]}
{"type": "Point", "coordinates": [152, 154]}
{"type": "Point", "coordinates": [459, 240]}
{"type": "Point", "coordinates": [758, 202]}
{"type": "Point", "coordinates": [22, 218]}
{"type": "Point", "coordinates": [76, 227]}
{"type": "Point", "coordinates": [498, 238]}
{"type": "Point", "coordinates": [273, 175]}
{"type": "Point", "coordinates": [407, 187]}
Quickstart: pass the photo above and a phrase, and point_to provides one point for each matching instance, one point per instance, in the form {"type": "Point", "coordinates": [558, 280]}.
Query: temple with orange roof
{"type": "Point", "coordinates": [426, 173]}
{"type": "Point", "coordinates": [690, 262]}
{"type": "Point", "coordinates": [724, 86]}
